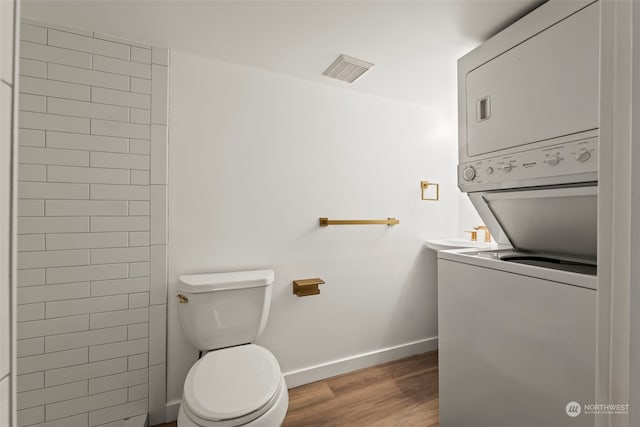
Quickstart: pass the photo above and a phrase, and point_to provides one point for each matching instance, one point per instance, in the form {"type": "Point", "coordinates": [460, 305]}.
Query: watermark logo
{"type": "Point", "coordinates": [609, 408]}
{"type": "Point", "coordinates": [573, 409]}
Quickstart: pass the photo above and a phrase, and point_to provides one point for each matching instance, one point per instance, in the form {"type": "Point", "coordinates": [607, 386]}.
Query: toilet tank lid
{"type": "Point", "coordinates": [196, 283]}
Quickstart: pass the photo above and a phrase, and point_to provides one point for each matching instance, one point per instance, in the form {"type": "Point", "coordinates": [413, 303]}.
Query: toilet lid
{"type": "Point", "coordinates": [232, 382]}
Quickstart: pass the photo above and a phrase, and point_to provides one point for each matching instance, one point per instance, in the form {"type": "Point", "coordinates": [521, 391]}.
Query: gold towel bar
{"type": "Point", "coordinates": [389, 221]}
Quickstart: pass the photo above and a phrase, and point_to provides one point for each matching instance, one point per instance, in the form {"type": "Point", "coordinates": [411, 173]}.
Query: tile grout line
{"type": "Point", "coordinates": [80, 83]}
{"type": "Point", "coordinates": [25, 92]}
{"type": "Point", "coordinates": [91, 68]}
{"type": "Point", "coordinates": [47, 43]}
{"type": "Point", "coordinates": [85, 134]}
{"type": "Point", "coordinates": [99, 36]}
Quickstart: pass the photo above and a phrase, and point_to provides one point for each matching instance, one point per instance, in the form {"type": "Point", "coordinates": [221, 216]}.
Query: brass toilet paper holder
{"type": "Point", "coordinates": [306, 287]}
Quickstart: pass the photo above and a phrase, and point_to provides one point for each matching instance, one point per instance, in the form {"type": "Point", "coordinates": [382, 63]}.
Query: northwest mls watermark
{"type": "Point", "coordinates": [573, 409]}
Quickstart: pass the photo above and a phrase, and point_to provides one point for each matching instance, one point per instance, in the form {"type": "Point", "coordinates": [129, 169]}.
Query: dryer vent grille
{"type": "Point", "coordinates": [347, 68]}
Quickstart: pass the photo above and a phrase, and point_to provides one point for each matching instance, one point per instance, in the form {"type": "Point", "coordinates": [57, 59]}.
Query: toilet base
{"type": "Point", "coordinates": [272, 418]}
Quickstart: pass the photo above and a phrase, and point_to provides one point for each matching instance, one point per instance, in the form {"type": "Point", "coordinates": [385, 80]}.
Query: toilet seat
{"type": "Point", "coordinates": [232, 386]}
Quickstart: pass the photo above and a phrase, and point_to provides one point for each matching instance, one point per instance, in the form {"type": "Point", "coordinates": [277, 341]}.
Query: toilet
{"type": "Point", "coordinates": [235, 382]}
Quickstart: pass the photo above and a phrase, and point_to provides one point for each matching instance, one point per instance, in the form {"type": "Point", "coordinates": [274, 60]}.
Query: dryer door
{"type": "Point", "coordinates": [543, 88]}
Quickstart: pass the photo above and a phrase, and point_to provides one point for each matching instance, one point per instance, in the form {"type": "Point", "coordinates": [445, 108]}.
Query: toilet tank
{"type": "Point", "coordinates": [224, 309]}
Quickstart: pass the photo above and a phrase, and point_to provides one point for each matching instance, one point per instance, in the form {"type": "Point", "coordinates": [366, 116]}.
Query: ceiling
{"type": "Point", "coordinates": [414, 44]}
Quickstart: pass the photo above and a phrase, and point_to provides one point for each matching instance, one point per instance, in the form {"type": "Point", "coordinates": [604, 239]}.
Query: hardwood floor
{"type": "Point", "coordinates": [399, 393]}
{"type": "Point", "coordinates": [402, 393]}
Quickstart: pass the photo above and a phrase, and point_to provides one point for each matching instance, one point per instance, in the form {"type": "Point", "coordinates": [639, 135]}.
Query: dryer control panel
{"type": "Point", "coordinates": [569, 162]}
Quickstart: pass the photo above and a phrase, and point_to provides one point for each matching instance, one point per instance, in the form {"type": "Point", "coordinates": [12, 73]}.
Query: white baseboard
{"type": "Point", "coordinates": [340, 366]}
{"type": "Point", "coordinates": [359, 361]}
{"type": "Point", "coordinates": [172, 410]}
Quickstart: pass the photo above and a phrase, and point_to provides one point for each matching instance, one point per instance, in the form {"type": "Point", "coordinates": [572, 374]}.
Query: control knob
{"type": "Point", "coordinates": [583, 156]}
{"type": "Point", "coordinates": [507, 168]}
{"type": "Point", "coordinates": [553, 160]}
{"type": "Point", "coordinates": [469, 173]}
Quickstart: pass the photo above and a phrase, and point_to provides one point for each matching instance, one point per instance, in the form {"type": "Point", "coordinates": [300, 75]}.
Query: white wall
{"type": "Point", "coordinates": [469, 218]}
{"type": "Point", "coordinates": [255, 158]}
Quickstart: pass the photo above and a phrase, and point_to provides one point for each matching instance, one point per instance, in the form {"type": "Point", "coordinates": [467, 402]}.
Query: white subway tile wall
{"type": "Point", "coordinates": [92, 229]}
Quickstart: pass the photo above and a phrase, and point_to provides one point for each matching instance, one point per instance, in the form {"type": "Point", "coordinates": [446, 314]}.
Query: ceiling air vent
{"type": "Point", "coordinates": [347, 68]}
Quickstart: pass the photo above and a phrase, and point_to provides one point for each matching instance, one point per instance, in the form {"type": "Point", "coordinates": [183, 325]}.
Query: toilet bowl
{"type": "Point", "coordinates": [236, 383]}
{"type": "Point", "coordinates": [237, 386]}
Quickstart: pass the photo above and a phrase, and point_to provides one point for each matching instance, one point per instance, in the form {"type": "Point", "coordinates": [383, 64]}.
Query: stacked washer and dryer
{"type": "Point", "coordinates": [517, 325]}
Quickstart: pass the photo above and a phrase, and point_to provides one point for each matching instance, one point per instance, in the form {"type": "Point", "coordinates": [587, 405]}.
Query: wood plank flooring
{"type": "Point", "coordinates": [402, 393]}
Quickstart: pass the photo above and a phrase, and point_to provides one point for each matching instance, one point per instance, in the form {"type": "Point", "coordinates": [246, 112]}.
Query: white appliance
{"type": "Point", "coordinates": [517, 326]}
{"type": "Point", "coordinates": [516, 342]}
{"type": "Point", "coordinates": [534, 85]}
{"type": "Point", "coordinates": [236, 383]}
